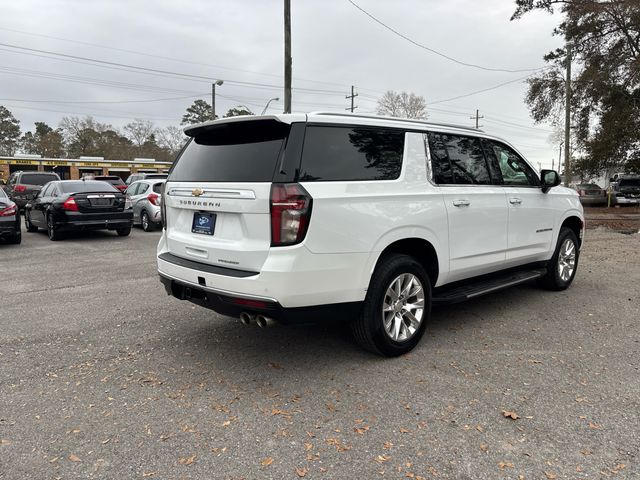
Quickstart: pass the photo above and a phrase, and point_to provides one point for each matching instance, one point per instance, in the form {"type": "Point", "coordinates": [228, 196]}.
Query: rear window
{"type": "Point", "coordinates": [630, 182]}
{"type": "Point", "coordinates": [87, 186]}
{"type": "Point", "coordinates": [157, 187]}
{"type": "Point", "coordinates": [246, 151]}
{"type": "Point", "coordinates": [37, 178]}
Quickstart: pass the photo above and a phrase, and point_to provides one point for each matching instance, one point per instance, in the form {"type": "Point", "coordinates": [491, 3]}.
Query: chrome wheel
{"type": "Point", "coordinates": [145, 221]}
{"type": "Point", "coordinates": [403, 307]}
{"type": "Point", "coordinates": [566, 260]}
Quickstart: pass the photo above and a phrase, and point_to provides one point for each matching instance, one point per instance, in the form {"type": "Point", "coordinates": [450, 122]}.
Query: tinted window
{"type": "Point", "coordinates": [158, 187]}
{"type": "Point", "coordinates": [246, 151]}
{"type": "Point", "coordinates": [37, 178]}
{"type": "Point", "coordinates": [341, 153]}
{"type": "Point", "coordinates": [458, 160]}
{"type": "Point", "coordinates": [630, 182]}
{"type": "Point", "coordinates": [512, 167]}
{"type": "Point", "coordinates": [86, 186]}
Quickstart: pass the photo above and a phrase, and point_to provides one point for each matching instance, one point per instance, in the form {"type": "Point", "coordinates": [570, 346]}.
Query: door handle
{"type": "Point", "coordinates": [461, 203]}
{"type": "Point", "coordinates": [515, 201]}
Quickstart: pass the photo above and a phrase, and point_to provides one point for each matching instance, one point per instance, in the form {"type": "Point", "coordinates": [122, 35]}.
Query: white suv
{"type": "Point", "coordinates": [302, 218]}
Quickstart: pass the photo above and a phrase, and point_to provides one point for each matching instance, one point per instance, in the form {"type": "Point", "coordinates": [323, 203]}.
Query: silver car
{"type": "Point", "coordinates": [146, 197]}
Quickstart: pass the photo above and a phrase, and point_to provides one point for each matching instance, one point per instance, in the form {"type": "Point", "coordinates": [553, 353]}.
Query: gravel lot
{"type": "Point", "coordinates": [104, 376]}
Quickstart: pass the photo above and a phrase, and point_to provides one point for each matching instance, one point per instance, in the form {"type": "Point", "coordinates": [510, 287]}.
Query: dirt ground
{"type": "Point", "coordinates": [618, 219]}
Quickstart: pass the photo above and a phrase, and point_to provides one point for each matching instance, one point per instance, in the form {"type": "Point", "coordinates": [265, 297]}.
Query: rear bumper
{"type": "Point", "coordinates": [226, 304]}
{"type": "Point", "coordinates": [626, 201]}
{"type": "Point", "coordinates": [101, 221]}
{"type": "Point", "coordinates": [293, 277]}
{"type": "Point", "coordinates": [9, 226]}
{"type": "Point", "coordinates": [593, 200]}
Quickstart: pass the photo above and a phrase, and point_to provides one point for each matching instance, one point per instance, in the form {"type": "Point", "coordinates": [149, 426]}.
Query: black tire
{"type": "Point", "coordinates": [553, 279]}
{"type": "Point", "coordinates": [369, 329]}
{"type": "Point", "coordinates": [27, 223]}
{"type": "Point", "coordinates": [123, 232]}
{"type": "Point", "coordinates": [54, 235]}
{"type": "Point", "coordinates": [145, 222]}
{"type": "Point", "coordinates": [16, 239]}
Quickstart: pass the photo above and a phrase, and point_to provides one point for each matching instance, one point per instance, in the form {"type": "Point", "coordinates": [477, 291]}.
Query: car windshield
{"type": "Point", "coordinates": [87, 186]}
{"type": "Point", "coordinates": [588, 185]}
{"type": "Point", "coordinates": [111, 180]}
{"type": "Point", "coordinates": [37, 178]}
{"type": "Point", "coordinates": [630, 182]}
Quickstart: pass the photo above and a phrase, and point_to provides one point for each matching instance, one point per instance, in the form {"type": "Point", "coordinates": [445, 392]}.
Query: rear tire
{"type": "Point", "coordinates": [123, 232]}
{"type": "Point", "coordinates": [16, 239]}
{"type": "Point", "coordinates": [27, 223]}
{"type": "Point", "coordinates": [561, 269]}
{"type": "Point", "coordinates": [145, 221]}
{"type": "Point", "coordinates": [396, 309]}
{"type": "Point", "coordinates": [54, 235]}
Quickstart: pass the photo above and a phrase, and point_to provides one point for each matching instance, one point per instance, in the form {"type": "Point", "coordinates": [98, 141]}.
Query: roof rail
{"type": "Point", "coordinates": [398, 119]}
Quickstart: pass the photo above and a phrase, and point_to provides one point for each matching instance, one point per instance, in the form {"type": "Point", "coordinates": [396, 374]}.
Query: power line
{"type": "Point", "coordinates": [477, 91]}
{"type": "Point", "coordinates": [65, 102]}
{"type": "Point", "coordinates": [459, 62]}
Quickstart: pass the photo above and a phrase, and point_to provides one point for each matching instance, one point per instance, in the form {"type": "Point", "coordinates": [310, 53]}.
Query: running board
{"type": "Point", "coordinates": [480, 287]}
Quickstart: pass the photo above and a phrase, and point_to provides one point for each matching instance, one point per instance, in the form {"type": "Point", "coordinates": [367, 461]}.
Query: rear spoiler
{"type": "Point", "coordinates": [194, 130]}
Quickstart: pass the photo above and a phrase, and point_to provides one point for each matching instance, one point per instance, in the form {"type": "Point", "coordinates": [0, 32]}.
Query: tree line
{"type": "Point", "coordinates": [75, 136]}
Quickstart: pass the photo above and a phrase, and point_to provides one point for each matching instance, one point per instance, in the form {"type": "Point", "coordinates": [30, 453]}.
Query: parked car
{"type": "Point", "coordinates": [591, 194]}
{"type": "Point", "coordinates": [114, 180]}
{"type": "Point", "coordinates": [134, 177]}
{"type": "Point", "coordinates": [23, 186]}
{"type": "Point", "coordinates": [299, 218]}
{"type": "Point", "coordinates": [626, 191]}
{"type": "Point", "coordinates": [145, 196]}
{"type": "Point", "coordinates": [69, 205]}
{"type": "Point", "coordinates": [10, 230]}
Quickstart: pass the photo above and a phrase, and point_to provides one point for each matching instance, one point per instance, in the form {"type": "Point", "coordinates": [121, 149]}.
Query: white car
{"type": "Point", "coordinates": [301, 218]}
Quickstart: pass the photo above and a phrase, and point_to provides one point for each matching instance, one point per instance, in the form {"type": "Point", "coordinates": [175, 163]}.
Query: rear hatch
{"type": "Point", "coordinates": [31, 183]}
{"type": "Point", "coordinates": [217, 208]}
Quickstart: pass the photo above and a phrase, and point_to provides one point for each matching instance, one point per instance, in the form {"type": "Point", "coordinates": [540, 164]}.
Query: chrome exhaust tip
{"type": "Point", "coordinates": [264, 322]}
{"type": "Point", "coordinates": [246, 318]}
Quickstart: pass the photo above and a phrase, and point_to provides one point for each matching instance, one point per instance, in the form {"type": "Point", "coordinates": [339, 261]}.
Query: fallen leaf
{"type": "Point", "coordinates": [275, 365]}
{"type": "Point", "coordinates": [226, 423]}
{"type": "Point", "coordinates": [266, 462]}
{"type": "Point", "coordinates": [74, 458]}
{"type": "Point", "coordinates": [484, 447]}
{"type": "Point", "coordinates": [383, 458]}
{"type": "Point", "coordinates": [550, 475]}
{"type": "Point", "coordinates": [361, 430]}
{"type": "Point", "coordinates": [331, 407]}
{"type": "Point", "coordinates": [301, 471]}
{"type": "Point", "coordinates": [594, 426]}
{"type": "Point", "coordinates": [104, 442]}
{"type": "Point", "coordinates": [387, 445]}
{"type": "Point", "coordinates": [149, 474]}
{"type": "Point", "coordinates": [504, 465]}
{"type": "Point", "coordinates": [187, 460]}
{"type": "Point", "coordinates": [512, 415]}
{"type": "Point", "coordinates": [405, 430]}
{"type": "Point", "coordinates": [308, 446]}
{"type": "Point", "coordinates": [578, 469]}
{"type": "Point", "coordinates": [480, 428]}
{"type": "Point", "coordinates": [4, 441]}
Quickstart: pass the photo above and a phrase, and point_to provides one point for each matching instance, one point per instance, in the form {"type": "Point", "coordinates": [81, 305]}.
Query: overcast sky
{"type": "Point", "coordinates": [334, 46]}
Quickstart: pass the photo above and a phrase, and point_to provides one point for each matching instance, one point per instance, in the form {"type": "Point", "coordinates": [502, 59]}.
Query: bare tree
{"type": "Point", "coordinates": [172, 138]}
{"type": "Point", "coordinates": [404, 105]}
{"type": "Point", "coordinates": [140, 131]}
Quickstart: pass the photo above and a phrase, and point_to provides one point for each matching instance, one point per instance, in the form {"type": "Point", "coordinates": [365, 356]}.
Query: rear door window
{"type": "Point", "coordinates": [458, 160]}
{"type": "Point", "coordinates": [246, 151]}
{"type": "Point", "coordinates": [351, 153]}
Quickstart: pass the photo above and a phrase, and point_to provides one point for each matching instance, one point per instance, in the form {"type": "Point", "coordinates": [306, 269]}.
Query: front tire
{"type": "Point", "coordinates": [561, 269]}
{"type": "Point", "coordinates": [396, 309]}
{"type": "Point", "coordinates": [123, 232]}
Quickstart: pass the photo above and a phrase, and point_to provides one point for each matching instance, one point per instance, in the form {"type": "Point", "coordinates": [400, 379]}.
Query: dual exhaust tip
{"type": "Point", "coordinates": [260, 320]}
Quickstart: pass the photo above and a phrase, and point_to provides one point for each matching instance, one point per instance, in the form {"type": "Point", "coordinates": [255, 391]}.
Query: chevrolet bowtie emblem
{"type": "Point", "coordinates": [196, 192]}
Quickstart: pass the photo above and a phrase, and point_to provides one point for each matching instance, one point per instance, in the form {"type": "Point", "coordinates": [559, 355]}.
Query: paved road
{"type": "Point", "coordinates": [104, 376]}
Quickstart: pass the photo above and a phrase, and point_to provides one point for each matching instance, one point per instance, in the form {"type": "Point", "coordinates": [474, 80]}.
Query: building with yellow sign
{"type": "Point", "coordinates": [73, 169]}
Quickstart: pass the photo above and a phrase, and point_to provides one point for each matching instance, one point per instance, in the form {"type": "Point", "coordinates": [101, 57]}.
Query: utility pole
{"type": "Point", "coordinates": [560, 155]}
{"type": "Point", "coordinates": [477, 118]}
{"type": "Point", "coordinates": [213, 98]}
{"type": "Point", "coordinates": [287, 56]}
{"type": "Point", "coordinates": [567, 121]}
{"type": "Point", "coordinates": [352, 97]}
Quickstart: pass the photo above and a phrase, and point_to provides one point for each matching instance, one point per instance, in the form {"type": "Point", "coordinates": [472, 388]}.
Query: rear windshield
{"type": "Point", "coordinates": [588, 185]}
{"type": "Point", "coordinates": [156, 175]}
{"type": "Point", "coordinates": [86, 186]}
{"type": "Point", "coordinates": [112, 181]}
{"type": "Point", "coordinates": [236, 152]}
{"type": "Point", "coordinates": [37, 178]}
{"type": "Point", "coordinates": [630, 182]}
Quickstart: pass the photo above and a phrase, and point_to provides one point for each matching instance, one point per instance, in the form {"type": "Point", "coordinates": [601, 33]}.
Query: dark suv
{"type": "Point", "coordinates": [24, 186]}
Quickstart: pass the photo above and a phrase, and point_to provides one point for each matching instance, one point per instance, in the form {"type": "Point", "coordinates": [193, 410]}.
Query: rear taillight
{"type": "Point", "coordinates": [20, 188]}
{"type": "Point", "coordinates": [154, 199]}
{"type": "Point", "coordinates": [290, 213]}
{"type": "Point", "coordinates": [70, 205]}
{"type": "Point", "coordinates": [8, 211]}
{"type": "Point", "coordinates": [163, 206]}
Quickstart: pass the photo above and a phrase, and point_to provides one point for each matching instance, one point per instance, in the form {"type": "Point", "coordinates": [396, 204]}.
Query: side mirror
{"type": "Point", "coordinates": [549, 179]}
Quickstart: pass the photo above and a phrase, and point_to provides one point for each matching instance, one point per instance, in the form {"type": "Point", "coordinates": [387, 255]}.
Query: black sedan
{"type": "Point", "coordinates": [9, 220]}
{"type": "Point", "coordinates": [68, 205]}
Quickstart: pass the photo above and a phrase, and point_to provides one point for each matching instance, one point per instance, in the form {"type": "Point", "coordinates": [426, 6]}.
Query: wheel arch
{"type": "Point", "coordinates": [419, 248]}
{"type": "Point", "coordinates": [576, 224]}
